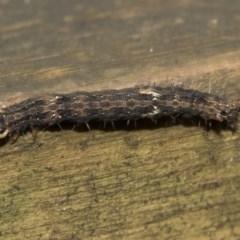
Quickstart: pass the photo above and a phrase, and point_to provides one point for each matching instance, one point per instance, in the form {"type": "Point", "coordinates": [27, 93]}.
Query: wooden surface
{"type": "Point", "coordinates": [174, 182]}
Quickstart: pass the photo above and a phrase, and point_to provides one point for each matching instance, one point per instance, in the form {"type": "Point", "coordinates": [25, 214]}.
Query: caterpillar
{"type": "Point", "coordinates": [153, 102]}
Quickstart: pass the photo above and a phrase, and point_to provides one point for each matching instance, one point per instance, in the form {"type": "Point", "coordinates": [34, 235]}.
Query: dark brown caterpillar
{"type": "Point", "coordinates": [112, 105]}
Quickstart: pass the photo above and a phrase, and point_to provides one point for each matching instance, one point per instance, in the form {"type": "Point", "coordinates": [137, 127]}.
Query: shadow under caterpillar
{"type": "Point", "coordinates": [135, 103]}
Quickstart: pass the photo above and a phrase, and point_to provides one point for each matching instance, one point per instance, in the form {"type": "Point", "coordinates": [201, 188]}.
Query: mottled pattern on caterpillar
{"type": "Point", "coordinates": [135, 103]}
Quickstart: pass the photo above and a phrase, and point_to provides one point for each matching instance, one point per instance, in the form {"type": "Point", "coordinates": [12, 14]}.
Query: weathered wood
{"type": "Point", "coordinates": [173, 182]}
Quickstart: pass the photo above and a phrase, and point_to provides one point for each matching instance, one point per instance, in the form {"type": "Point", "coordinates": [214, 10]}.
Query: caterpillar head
{"type": "Point", "coordinates": [3, 127]}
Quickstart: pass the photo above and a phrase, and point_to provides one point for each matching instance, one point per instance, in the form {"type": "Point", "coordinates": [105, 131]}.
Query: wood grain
{"type": "Point", "coordinates": [173, 182]}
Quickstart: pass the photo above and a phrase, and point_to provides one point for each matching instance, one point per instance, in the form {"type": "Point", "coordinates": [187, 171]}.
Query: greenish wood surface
{"type": "Point", "coordinates": [173, 182]}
